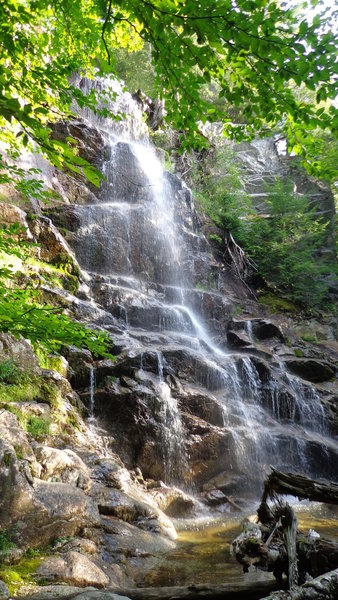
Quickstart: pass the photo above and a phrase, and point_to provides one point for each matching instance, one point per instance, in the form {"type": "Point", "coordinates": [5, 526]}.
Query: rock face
{"type": "Point", "coordinates": [179, 405]}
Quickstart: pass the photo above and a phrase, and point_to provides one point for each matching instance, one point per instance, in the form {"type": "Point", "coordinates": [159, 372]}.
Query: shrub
{"type": "Point", "coordinates": [9, 372]}
{"type": "Point", "coordinates": [37, 427]}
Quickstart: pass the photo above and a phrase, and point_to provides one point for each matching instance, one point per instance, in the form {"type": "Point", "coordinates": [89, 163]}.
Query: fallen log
{"type": "Point", "coordinates": [298, 485]}
{"type": "Point", "coordinates": [324, 587]}
{"type": "Point", "coordinates": [232, 591]}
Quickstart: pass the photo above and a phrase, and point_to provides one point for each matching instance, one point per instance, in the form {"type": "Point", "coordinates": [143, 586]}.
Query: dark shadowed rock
{"type": "Point", "coordinates": [311, 369]}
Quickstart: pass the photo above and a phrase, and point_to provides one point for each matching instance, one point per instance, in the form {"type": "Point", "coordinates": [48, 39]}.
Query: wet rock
{"type": "Point", "coordinates": [263, 330]}
{"type": "Point", "coordinates": [311, 369]}
{"type": "Point", "coordinates": [127, 539]}
{"type": "Point", "coordinates": [53, 247]}
{"type": "Point", "coordinates": [90, 143]}
{"type": "Point", "coordinates": [215, 497]}
{"type": "Point", "coordinates": [100, 596]}
{"type": "Point", "coordinates": [56, 592]}
{"type": "Point", "coordinates": [202, 405]}
{"type": "Point", "coordinates": [111, 473]}
{"type": "Point", "coordinates": [173, 501]}
{"type": "Point", "coordinates": [74, 568]}
{"type": "Point", "coordinates": [238, 340]}
{"type": "Point", "coordinates": [18, 350]}
{"type": "Point", "coordinates": [210, 449]}
{"type": "Point", "coordinates": [226, 482]}
{"type": "Point", "coordinates": [81, 362]}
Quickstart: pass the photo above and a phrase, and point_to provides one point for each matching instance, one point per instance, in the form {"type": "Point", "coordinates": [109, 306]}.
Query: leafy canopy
{"type": "Point", "coordinates": [253, 50]}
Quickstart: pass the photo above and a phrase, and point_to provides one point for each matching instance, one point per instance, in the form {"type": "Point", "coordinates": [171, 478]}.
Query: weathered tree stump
{"type": "Point", "coordinates": [275, 544]}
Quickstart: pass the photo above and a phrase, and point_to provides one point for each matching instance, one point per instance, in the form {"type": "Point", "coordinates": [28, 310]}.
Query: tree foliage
{"type": "Point", "coordinates": [286, 247]}
{"type": "Point", "coordinates": [252, 50]}
{"type": "Point", "coordinates": [285, 243]}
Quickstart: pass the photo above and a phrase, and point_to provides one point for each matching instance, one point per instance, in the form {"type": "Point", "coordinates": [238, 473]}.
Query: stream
{"type": "Point", "coordinates": [203, 554]}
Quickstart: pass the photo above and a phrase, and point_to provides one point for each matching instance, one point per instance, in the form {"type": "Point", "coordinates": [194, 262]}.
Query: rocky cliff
{"type": "Point", "coordinates": [207, 388]}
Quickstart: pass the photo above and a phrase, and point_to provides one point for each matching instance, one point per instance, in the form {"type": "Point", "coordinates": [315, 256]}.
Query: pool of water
{"type": "Point", "coordinates": [202, 553]}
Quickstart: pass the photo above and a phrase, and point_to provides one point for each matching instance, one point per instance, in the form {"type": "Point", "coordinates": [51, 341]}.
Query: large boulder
{"type": "Point", "coordinates": [17, 350]}
{"type": "Point", "coordinates": [74, 568]}
{"type": "Point", "coordinates": [39, 510]}
{"type": "Point", "coordinates": [63, 466]}
{"type": "Point", "coordinates": [116, 503]}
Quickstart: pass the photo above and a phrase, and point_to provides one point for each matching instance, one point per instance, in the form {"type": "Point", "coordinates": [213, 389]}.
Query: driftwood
{"type": "Point", "coordinates": [324, 587]}
{"type": "Point", "coordinates": [275, 544]}
{"type": "Point", "coordinates": [231, 591]}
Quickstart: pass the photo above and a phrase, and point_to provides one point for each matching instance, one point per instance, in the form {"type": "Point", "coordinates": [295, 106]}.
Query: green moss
{"type": "Point", "coordinates": [299, 353]}
{"type": "Point", "coordinates": [200, 286]}
{"type": "Point", "coordinates": [72, 420]}
{"type": "Point", "coordinates": [29, 388]}
{"type": "Point", "coordinates": [7, 460]}
{"type": "Point", "coordinates": [21, 574]}
{"type": "Point", "coordinates": [277, 304]}
{"type": "Point", "coordinates": [36, 426]}
{"type": "Point", "coordinates": [19, 452]}
{"type": "Point", "coordinates": [52, 362]}
{"type": "Point", "coordinates": [309, 337]}
{"type": "Point", "coordinates": [215, 238]}
{"type": "Point", "coordinates": [26, 391]}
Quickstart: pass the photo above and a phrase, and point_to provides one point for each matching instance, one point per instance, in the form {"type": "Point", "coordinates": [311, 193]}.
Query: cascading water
{"type": "Point", "coordinates": [91, 391]}
{"type": "Point", "coordinates": [148, 263]}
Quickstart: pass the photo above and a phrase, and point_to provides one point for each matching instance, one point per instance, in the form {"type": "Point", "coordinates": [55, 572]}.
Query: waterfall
{"type": "Point", "coordinates": [91, 391]}
{"type": "Point", "coordinates": [138, 237]}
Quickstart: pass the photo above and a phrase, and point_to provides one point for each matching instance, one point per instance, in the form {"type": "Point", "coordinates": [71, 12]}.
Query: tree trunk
{"type": "Point", "coordinates": [300, 486]}
{"type": "Point", "coordinates": [231, 591]}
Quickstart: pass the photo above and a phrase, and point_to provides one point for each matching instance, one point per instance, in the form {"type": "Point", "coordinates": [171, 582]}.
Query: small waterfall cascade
{"type": "Point", "coordinates": [91, 391]}
{"type": "Point", "coordinates": [150, 268]}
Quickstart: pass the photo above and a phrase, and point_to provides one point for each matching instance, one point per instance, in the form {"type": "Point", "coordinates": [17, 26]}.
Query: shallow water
{"type": "Point", "coordinates": [202, 554]}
